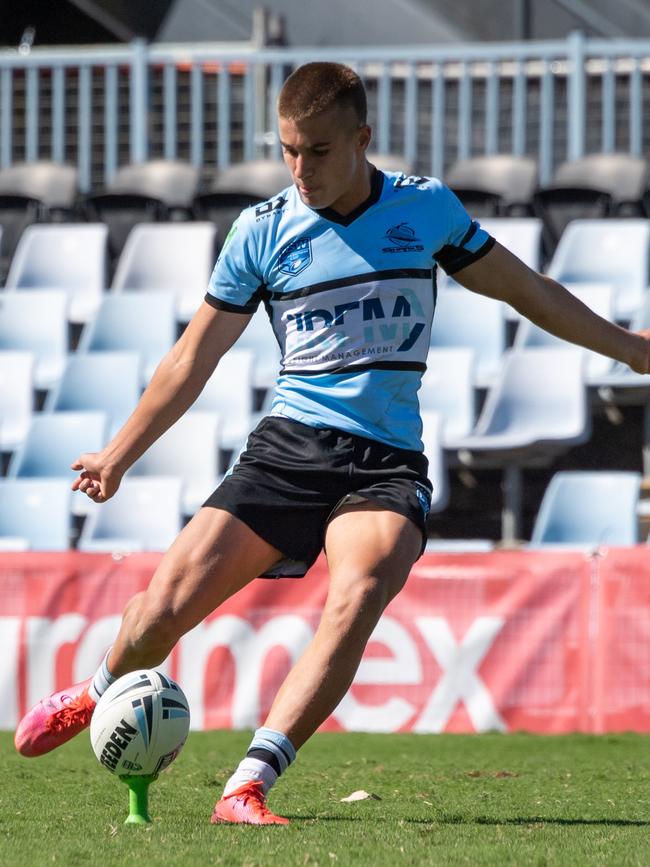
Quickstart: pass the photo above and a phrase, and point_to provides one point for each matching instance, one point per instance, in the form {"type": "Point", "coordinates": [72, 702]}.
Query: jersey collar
{"type": "Point", "coordinates": [376, 186]}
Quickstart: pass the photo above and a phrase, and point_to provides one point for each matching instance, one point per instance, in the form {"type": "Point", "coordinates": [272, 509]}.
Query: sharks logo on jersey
{"type": "Point", "coordinates": [404, 240]}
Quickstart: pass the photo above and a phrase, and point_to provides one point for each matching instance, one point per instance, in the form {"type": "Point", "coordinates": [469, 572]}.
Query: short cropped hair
{"type": "Point", "coordinates": [317, 87]}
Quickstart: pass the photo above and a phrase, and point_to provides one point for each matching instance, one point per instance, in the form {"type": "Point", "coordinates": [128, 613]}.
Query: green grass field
{"type": "Point", "coordinates": [445, 800]}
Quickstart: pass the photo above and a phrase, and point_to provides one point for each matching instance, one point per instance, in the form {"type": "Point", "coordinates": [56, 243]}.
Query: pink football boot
{"type": "Point", "coordinates": [246, 806]}
{"type": "Point", "coordinates": [54, 720]}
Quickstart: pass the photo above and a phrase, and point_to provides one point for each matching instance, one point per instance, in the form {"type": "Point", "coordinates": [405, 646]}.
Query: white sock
{"type": "Point", "coordinates": [251, 769]}
{"type": "Point", "coordinates": [101, 681]}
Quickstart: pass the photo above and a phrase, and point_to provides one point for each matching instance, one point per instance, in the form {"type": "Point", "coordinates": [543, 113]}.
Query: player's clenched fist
{"type": "Point", "coordinates": [97, 479]}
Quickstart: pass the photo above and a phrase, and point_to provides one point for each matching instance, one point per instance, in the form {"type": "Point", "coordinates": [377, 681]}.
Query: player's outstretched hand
{"type": "Point", "coordinates": [642, 365]}
{"type": "Point", "coordinates": [96, 478]}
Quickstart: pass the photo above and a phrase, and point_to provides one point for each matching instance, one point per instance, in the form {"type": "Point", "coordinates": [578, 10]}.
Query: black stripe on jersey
{"type": "Point", "coordinates": [454, 258]}
{"type": "Point", "coordinates": [251, 307]}
{"type": "Point", "coordinates": [358, 368]}
{"type": "Point", "coordinates": [388, 274]}
{"type": "Point", "coordinates": [469, 234]}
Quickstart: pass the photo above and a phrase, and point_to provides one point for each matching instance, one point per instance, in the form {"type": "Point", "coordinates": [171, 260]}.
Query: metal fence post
{"type": "Point", "coordinates": [139, 103]}
{"type": "Point", "coordinates": [577, 96]}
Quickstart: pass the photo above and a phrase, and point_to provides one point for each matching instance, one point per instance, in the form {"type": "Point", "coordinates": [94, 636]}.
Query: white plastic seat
{"type": "Point", "coordinates": [144, 515]}
{"type": "Point", "coordinates": [189, 450]}
{"type": "Point", "coordinates": [589, 508]}
{"type": "Point", "coordinates": [68, 256]}
{"type": "Point", "coordinates": [34, 514]}
{"type": "Point", "coordinates": [448, 388]}
{"type": "Point", "coordinates": [465, 318]}
{"type": "Point", "coordinates": [174, 257]}
{"type": "Point", "coordinates": [36, 322]}
{"type": "Point", "coordinates": [535, 411]}
{"type": "Point", "coordinates": [432, 425]}
{"type": "Point", "coordinates": [523, 237]}
{"type": "Point", "coordinates": [229, 393]}
{"type": "Point", "coordinates": [54, 440]}
{"type": "Point", "coordinates": [616, 252]}
{"type": "Point", "coordinates": [600, 299]}
{"type": "Point", "coordinates": [16, 397]}
{"type": "Point", "coordinates": [142, 322]}
{"type": "Point", "coordinates": [104, 381]}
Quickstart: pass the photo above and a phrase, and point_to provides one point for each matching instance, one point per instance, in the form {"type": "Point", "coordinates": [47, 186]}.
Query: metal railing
{"type": "Point", "coordinates": [212, 104]}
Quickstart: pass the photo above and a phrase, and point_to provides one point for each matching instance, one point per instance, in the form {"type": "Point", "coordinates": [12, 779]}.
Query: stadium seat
{"type": "Point", "coordinates": [144, 515]}
{"type": "Point", "coordinates": [432, 426]}
{"type": "Point", "coordinates": [121, 213]}
{"type": "Point", "coordinates": [615, 252]}
{"type": "Point", "coordinates": [71, 257]}
{"type": "Point", "coordinates": [105, 381]}
{"type": "Point", "coordinates": [32, 192]}
{"type": "Point", "coordinates": [494, 186]}
{"type": "Point", "coordinates": [189, 450]}
{"type": "Point", "coordinates": [54, 441]}
{"type": "Point", "coordinates": [536, 410]}
{"type": "Point", "coordinates": [465, 318]}
{"type": "Point", "coordinates": [174, 257]}
{"type": "Point", "coordinates": [589, 508]}
{"type": "Point", "coordinates": [53, 184]}
{"type": "Point", "coordinates": [142, 322]}
{"type": "Point", "coordinates": [34, 514]}
{"type": "Point", "coordinates": [597, 298]}
{"type": "Point", "coordinates": [448, 389]}
{"type": "Point", "coordinates": [523, 237]}
{"type": "Point", "coordinates": [237, 187]}
{"type": "Point", "coordinates": [229, 394]}
{"type": "Point", "coordinates": [36, 321]}
{"type": "Point", "coordinates": [149, 192]}
{"type": "Point", "coordinates": [595, 186]}
{"type": "Point", "coordinates": [172, 182]}
{"type": "Point", "coordinates": [16, 397]}
{"type": "Point", "coordinates": [631, 388]}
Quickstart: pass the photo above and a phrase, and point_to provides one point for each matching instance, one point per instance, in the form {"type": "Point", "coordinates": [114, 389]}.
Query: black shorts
{"type": "Point", "coordinates": [291, 477]}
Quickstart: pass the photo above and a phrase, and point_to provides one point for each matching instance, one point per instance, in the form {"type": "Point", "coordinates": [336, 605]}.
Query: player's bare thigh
{"type": "Point", "coordinates": [213, 557]}
{"type": "Point", "coordinates": [367, 543]}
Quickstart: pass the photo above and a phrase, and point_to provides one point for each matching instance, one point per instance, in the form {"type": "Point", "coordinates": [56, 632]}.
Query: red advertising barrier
{"type": "Point", "coordinates": [540, 641]}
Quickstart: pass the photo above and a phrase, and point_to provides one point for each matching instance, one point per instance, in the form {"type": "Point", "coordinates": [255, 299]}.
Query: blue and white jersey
{"type": "Point", "coordinates": [351, 299]}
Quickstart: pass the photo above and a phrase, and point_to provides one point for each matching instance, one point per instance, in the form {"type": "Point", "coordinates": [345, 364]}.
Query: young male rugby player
{"type": "Point", "coordinates": [344, 260]}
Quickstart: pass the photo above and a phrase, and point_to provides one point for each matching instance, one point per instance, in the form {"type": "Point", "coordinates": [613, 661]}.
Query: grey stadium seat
{"type": "Point", "coordinates": [34, 514]}
{"type": "Point", "coordinates": [589, 508]}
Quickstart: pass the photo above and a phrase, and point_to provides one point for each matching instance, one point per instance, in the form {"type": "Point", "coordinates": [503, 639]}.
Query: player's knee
{"type": "Point", "coordinates": [362, 603]}
{"type": "Point", "coordinates": [150, 625]}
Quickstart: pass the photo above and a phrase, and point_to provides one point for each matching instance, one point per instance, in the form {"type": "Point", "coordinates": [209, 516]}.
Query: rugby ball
{"type": "Point", "coordinates": [140, 724]}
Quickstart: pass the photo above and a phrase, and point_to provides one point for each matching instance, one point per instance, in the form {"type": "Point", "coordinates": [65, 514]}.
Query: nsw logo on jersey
{"type": "Point", "coordinates": [404, 240]}
{"type": "Point", "coordinates": [295, 257]}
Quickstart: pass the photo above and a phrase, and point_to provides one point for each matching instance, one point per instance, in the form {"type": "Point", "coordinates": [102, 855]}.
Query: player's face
{"type": "Point", "coordinates": [326, 156]}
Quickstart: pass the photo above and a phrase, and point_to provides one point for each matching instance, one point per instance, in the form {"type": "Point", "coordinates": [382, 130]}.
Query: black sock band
{"type": "Point", "coordinates": [265, 756]}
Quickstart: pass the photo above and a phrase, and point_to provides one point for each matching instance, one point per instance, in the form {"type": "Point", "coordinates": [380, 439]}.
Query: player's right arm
{"type": "Point", "coordinates": [177, 382]}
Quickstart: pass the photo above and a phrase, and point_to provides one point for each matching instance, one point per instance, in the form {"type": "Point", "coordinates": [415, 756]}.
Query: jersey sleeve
{"type": "Point", "coordinates": [467, 242]}
{"type": "Point", "coordinates": [236, 283]}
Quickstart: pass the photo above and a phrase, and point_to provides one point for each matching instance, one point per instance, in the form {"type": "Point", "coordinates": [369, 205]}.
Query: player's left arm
{"type": "Point", "coordinates": [501, 275]}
